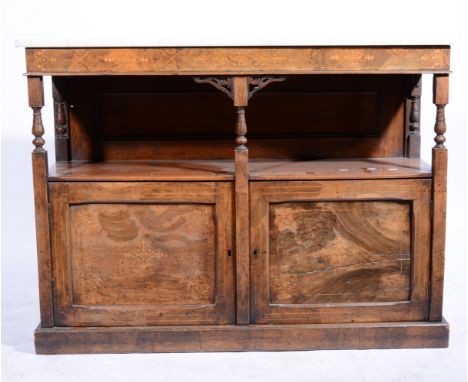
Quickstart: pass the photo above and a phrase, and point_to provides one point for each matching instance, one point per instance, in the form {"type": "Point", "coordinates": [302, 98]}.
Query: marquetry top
{"type": "Point", "coordinates": [237, 60]}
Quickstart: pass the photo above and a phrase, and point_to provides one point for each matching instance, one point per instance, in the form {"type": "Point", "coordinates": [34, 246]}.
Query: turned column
{"type": "Point", "coordinates": [240, 91]}
{"type": "Point", "coordinates": [62, 152]}
{"type": "Point", "coordinates": [41, 201]}
{"type": "Point", "coordinates": [439, 196]}
{"type": "Point", "coordinates": [414, 123]}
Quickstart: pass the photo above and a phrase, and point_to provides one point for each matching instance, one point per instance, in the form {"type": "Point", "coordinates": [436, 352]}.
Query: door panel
{"type": "Point", "coordinates": [142, 253]}
{"type": "Point", "coordinates": [333, 252]}
{"type": "Point", "coordinates": [340, 251]}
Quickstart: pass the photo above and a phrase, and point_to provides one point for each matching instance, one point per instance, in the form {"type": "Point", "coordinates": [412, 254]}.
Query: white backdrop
{"type": "Point", "coordinates": [220, 22]}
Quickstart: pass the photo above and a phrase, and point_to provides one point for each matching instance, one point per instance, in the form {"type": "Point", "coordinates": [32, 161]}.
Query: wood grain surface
{"type": "Point", "coordinates": [439, 218]}
{"type": "Point", "coordinates": [340, 251]}
{"type": "Point", "coordinates": [237, 61]}
{"type": "Point", "coordinates": [40, 170]}
{"type": "Point", "coordinates": [131, 254]}
{"type": "Point", "coordinates": [195, 170]}
{"type": "Point", "coordinates": [211, 170]}
{"type": "Point", "coordinates": [194, 208]}
{"type": "Point", "coordinates": [127, 254]}
{"type": "Point", "coordinates": [175, 118]}
{"type": "Point", "coordinates": [242, 338]}
{"type": "Point", "coordinates": [335, 252]}
{"type": "Point", "coordinates": [439, 197]}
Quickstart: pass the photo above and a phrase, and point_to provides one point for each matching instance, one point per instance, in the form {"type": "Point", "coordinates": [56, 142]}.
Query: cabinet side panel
{"type": "Point", "coordinates": [439, 161]}
{"type": "Point", "coordinates": [41, 199]}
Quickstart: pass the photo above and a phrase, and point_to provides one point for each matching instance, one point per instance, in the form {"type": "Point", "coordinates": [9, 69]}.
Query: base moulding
{"type": "Point", "coordinates": [75, 340]}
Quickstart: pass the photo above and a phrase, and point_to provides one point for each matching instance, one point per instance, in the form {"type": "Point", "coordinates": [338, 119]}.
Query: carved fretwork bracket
{"type": "Point", "coordinates": [223, 84]}
{"type": "Point", "coordinates": [240, 89]}
{"type": "Point", "coordinates": [258, 83]}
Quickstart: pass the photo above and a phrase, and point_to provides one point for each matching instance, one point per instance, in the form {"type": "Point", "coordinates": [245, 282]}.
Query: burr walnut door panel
{"type": "Point", "coordinates": [142, 253]}
{"type": "Point", "coordinates": [340, 251]}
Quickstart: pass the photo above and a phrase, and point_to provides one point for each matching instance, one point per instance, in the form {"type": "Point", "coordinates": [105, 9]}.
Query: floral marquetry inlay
{"type": "Point", "coordinates": [353, 57]}
{"type": "Point", "coordinates": [144, 254]}
{"type": "Point", "coordinates": [437, 55]}
{"type": "Point", "coordinates": [41, 60]}
{"type": "Point", "coordinates": [116, 60]}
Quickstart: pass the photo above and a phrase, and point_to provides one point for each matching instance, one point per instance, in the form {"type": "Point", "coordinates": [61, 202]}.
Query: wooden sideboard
{"type": "Point", "coordinates": [232, 199]}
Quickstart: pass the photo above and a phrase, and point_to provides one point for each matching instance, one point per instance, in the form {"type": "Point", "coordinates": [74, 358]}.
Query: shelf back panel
{"type": "Point", "coordinates": [172, 117]}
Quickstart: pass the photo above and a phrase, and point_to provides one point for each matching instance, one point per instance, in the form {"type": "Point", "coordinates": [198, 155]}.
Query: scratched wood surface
{"type": "Point", "coordinates": [340, 250]}
{"type": "Point", "coordinates": [142, 171]}
{"type": "Point", "coordinates": [200, 170]}
{"type": "Point", "coordinates": [366, 168]}
{"type": "Point", "coordinates": [406, 334]}
{"type": "Point", "coordinates": [143, 254]}
{"type": "Point", "coordinates": [332, 252]}
{"type": "Point", "coordinates": [244, 60]}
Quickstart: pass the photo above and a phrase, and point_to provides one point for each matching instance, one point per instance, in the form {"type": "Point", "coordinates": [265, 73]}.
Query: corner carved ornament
{"type": "Point", "coordinates": [225, 83]}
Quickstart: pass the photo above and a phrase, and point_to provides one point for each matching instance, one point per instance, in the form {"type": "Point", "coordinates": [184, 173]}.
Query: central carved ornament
{"type": "Point", "coordinates": [225, 83]}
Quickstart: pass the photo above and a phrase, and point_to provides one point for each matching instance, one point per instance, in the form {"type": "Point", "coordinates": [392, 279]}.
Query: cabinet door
{"type": "Point", "coordinates": [340, 251]}
{"type": "Point", "coordinates": [142, 253]}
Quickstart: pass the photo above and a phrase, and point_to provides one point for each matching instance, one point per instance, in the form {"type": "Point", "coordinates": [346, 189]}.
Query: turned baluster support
{"type": "Point", "coordinates": [415, 115]}
{"type": "Point", "coordinates": [241, 129]}
{"type": "Point", "coordinates": [414, 120]}
{"type": "Point", "coordinates": [440, 127]}
{"type": "Point", "coordinates": [240, 89]}
{"type": "Point", "coordinates": [36, 102]}
{"type": "Point", "coordinates": [61, 120]}
{"type": "Point", "coordinates": [440, 99]}
{"type": "Point", "coordinates": [38, 130]}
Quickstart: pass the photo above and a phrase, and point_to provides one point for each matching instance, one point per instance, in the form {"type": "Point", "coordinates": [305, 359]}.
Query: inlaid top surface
{"type": "Point", "coordinates": [238, 60]}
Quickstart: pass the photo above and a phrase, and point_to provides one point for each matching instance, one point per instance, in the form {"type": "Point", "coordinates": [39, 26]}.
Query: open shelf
{"type": "Point", "coordinates": [196, 170]}
{"type": "Point", "coordinates": [223, 170]}
{"type": "Point", "coordinates": [365, 168]}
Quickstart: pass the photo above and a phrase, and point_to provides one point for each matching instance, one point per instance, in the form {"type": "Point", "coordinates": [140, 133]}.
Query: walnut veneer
{"type": "Point", "coordinates": [229, 199]}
